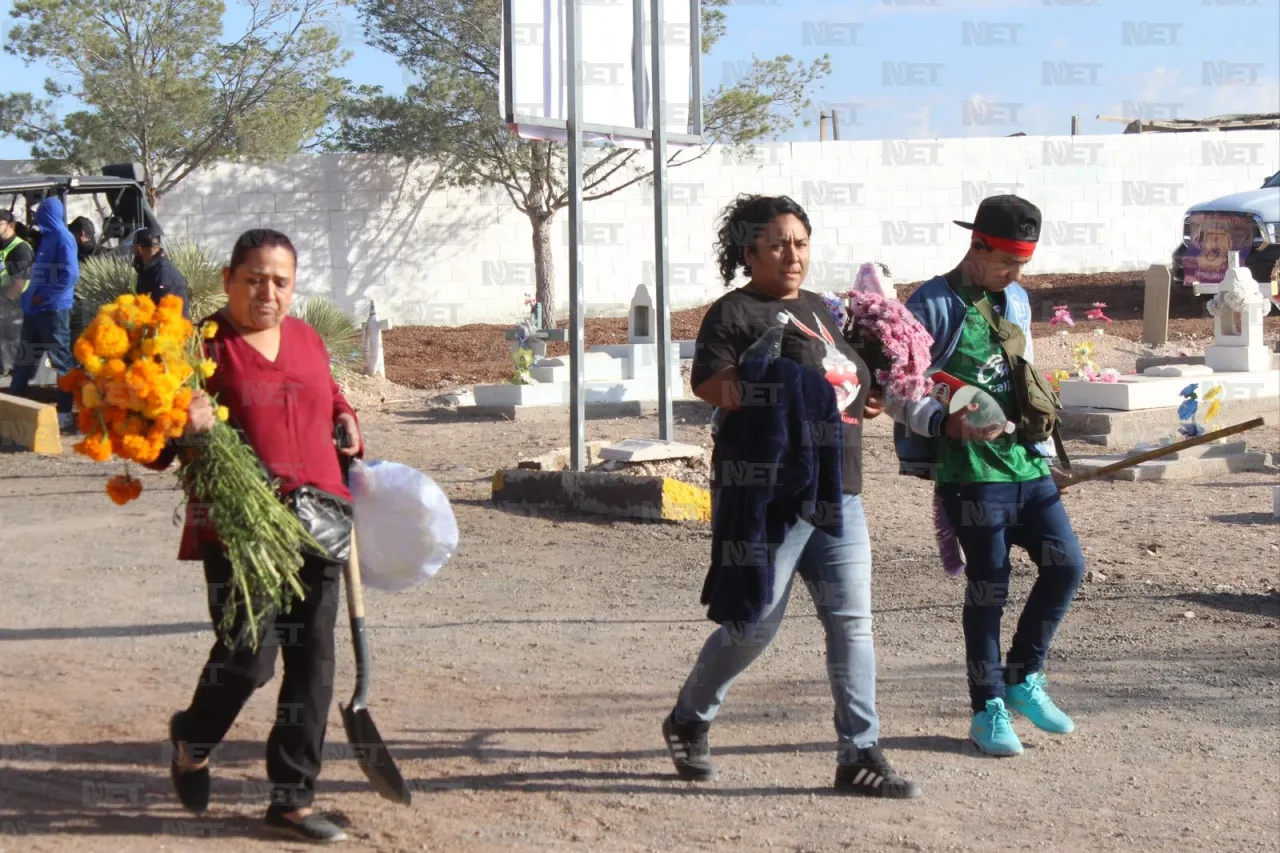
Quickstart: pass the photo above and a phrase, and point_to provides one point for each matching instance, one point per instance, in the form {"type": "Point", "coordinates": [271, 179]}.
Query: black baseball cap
{"type": "Point", "coordinates": [1008, 223]}
{"type": "Point", "coordinates": [6, 216]}
{"type": "Point", "coordinates": [145, 238]}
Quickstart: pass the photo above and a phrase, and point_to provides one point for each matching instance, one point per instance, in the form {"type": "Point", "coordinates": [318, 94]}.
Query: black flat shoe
{"type": "Point", "coordinates": [315, 827]}
{"type": "Point", "coordinates": [191, 786]}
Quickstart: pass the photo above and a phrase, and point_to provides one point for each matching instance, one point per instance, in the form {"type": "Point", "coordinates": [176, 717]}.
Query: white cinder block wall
{"type": "Point", "coordinates": [369, 228]}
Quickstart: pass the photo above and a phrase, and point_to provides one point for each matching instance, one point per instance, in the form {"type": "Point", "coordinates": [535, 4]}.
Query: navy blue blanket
{"type": "Point", "coordinates": [777, 460]}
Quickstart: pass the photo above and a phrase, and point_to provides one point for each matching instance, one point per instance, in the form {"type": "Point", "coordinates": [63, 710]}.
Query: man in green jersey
{"type": "Point", "coordinates": [996, 488]}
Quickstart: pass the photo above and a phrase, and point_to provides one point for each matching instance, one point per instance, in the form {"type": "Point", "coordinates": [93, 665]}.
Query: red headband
{"type": "Point", "coordinates": [1020, 248]}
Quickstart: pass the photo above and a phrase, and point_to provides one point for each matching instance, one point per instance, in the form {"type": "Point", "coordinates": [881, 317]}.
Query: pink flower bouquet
{"type": "Point", "coordinates": [891, 341]}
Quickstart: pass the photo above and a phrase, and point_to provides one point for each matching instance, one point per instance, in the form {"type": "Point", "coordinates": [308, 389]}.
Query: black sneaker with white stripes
{"type": "Point", "coordinates": [873, 776]}
{"type": "Point", "coordinates": [690, 749]}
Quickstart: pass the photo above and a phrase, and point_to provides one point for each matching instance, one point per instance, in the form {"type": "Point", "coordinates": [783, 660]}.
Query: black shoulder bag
{"type": "Point", "coordinates": [327, 517]}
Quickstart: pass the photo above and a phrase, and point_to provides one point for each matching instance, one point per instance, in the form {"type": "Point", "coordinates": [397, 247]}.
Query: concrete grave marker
{"type": "Point", "coordinates": [1238, 309]}
{"type": "Point", "coordinates": [1155, 305]}
{"type": "Point", "coordinates": [649, 450]}
{"type": "Point", "coordinates": [641, 328]}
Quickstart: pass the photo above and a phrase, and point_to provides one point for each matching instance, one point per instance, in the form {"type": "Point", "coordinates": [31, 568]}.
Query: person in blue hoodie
{"type": "Point", "coordinates": [46, 307]}
{"type": "Point", "coordinates": [996, 489]}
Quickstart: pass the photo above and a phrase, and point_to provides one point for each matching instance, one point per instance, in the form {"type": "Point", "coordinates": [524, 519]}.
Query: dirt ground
{"type": "Point", "coordinates": [523, 687]}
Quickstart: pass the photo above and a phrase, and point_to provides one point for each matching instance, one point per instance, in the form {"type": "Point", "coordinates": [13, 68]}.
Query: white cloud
{"type": "Point", "coordinates": [1261, 98]}
{"type": "Point", "coordinates": [917, 123]}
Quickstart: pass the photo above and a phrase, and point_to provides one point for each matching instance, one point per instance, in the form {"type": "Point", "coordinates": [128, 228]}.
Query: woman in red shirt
{"type": "Point", "coordinates": [273, 376]}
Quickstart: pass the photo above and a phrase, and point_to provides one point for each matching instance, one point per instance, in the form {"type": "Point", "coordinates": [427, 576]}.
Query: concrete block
{"type": "Point", "coordinates": [181, 203]}
{"type": "Point", "coordinates": [599, 493]}
{"type": "Point", "coordinates": [362, 201]}
{"type": "Point", "coordinates": [311, 220]}
{"type": "Point", "coordinates": [558, 460]}
{"type": "Point", "coordinates": [1109, 428]}
{"type": "Point", "coordinates": [29, 424]}
{"type": "Point", "coordinates": [1238, 359]}
{"type": "Point", "coordinates": [1153, 392]}
{"type": "Point", "coordinates": [257, 203]}
{"type": "Point", "coordinates": [325, 201]}
{"type": "Point", "coordinates": [1184, 469]}
{"type": "Point", "coordinates": [219, 203]}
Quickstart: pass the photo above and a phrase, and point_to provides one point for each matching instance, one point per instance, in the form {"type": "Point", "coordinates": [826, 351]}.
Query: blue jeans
{"type": "Point", "coordinates": [989, 519]}
{"type": "Point", "coordinates": [46, 332]}
{"type": "Point", "coordinates": [837, 572]}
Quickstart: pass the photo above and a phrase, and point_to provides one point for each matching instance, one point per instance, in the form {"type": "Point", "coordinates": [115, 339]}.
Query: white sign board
{"type": "Point", "coordinates": [615, 69]}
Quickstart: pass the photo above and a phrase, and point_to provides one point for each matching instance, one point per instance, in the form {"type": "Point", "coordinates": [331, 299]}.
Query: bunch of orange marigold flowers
{"type": "Point", "coordinates": [140, 366]}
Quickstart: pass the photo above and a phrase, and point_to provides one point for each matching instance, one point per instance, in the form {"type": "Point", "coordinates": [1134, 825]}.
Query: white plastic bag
{"type": "Point", "coordinates": [404, 525]}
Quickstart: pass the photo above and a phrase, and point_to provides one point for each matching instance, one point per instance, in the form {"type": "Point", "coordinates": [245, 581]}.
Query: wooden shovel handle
{"type": "Point", "coordinates": [1161, 451]}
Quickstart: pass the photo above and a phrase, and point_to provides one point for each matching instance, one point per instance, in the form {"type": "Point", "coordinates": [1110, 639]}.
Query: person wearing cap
{"type": "Point", "coordinates": [16, 258]}
{"type": "Point", "coordinates": [157, 275]}
{"type": "Point", "coordinates": [996, 489]}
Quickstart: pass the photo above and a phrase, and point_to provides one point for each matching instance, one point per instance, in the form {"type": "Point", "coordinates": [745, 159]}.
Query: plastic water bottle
{"type": "Point", "coordinates": [956, 395]}
{"type": "Point", "coordinates": [766, 348]}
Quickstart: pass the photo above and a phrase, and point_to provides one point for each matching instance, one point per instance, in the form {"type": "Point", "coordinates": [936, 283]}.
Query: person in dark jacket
{"type": "Point", "coordinates": [46, 307]}
{"type": "Point", "coordinates": [157, 275]}
{"type": "Point", "coordinates": [86, 238]}
{"type": "Point", "coordinates": [830, 550]}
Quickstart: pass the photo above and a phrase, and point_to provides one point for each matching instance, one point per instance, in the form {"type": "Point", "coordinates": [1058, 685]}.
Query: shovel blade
{"type": "Point", "coordinates": [373, 756]}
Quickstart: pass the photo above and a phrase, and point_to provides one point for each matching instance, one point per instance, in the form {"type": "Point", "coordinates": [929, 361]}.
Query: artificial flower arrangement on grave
{"type": "Point", "coordinates": [888, 337]}
{"type": "Point", "coordinates": [1189, 410]}
{"type": "Point", "coordinates": [522, 352]}
{"type": "Point", "coordinates": [1055, 378]}
{"type": "Point", "coordinates": [1061, 314]}
{"type": "Point", "coordinates": [1087, 368]}
{"type": "Point", "coordinates": [1096, 312]}
{"type": "Point", "coordinates": [141, 365]}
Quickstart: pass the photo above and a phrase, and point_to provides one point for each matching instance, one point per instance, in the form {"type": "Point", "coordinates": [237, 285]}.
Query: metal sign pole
{"type": "Point", "coordinates": [577, 416]}
{"type": "Point", "coordinates": [666, 431]}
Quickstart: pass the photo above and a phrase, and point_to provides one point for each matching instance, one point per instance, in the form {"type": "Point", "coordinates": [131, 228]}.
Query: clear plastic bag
{"type": "Point", "coordinates": [404, 525]}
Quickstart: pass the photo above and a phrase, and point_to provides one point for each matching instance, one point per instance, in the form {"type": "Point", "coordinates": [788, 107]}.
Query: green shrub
{"type": "Point", "coordinates": [341, 333]}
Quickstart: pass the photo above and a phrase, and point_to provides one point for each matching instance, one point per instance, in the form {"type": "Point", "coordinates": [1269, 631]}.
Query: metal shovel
{"type": "Point", "coordinates": [371, 752]}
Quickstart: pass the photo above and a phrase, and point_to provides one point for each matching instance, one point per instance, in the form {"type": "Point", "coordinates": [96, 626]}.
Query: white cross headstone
{"type": "Point", "coordinates": [374, 360]}
{"type": "Point", "coordinates": [1238, 309]}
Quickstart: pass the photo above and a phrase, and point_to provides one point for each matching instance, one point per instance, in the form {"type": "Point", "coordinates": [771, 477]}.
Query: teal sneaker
{"type": "Point", "coordinates": [992, 730]}
{"type": "Point", "coordinates": [1031, 701]}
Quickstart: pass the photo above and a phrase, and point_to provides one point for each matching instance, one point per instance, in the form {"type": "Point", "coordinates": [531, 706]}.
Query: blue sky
{"type": "Point", "coordinates": [911, 69]}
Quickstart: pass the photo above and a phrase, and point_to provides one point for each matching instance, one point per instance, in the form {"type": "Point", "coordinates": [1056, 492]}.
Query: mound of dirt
{"type": "Point", "coordinates": [439, 357]}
